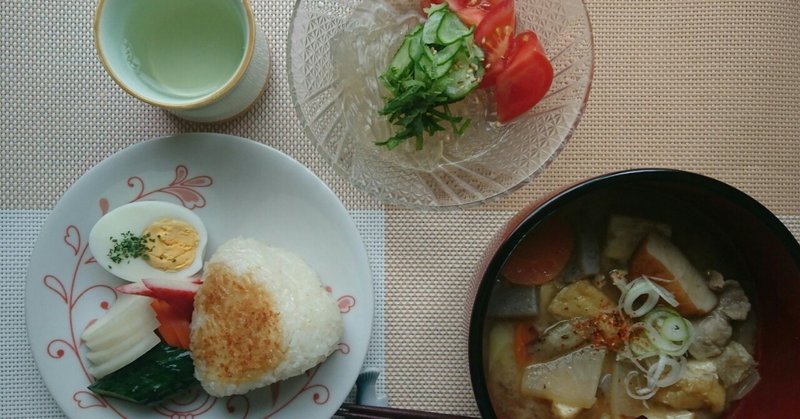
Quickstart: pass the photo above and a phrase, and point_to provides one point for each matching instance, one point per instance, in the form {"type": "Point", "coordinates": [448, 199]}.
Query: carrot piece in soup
{"type": "Point", "coordinates": [525, 334]}
{"type": "Point", "coordinates": [541, 255]}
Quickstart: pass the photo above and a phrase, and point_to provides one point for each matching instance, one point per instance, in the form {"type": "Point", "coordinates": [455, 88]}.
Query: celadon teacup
{"type": "Point", "coordinates": [202, 60]}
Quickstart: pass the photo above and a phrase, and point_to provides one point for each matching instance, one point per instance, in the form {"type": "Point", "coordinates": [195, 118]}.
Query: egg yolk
{"type": "Point", "coordinates": [172, 244]}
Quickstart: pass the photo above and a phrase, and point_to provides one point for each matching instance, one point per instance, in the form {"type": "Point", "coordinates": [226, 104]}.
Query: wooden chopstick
{"type": "Point", "coordinates": [357, 411]}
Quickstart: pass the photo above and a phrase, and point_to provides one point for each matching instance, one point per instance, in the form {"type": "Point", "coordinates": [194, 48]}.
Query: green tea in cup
{"type": "Point", "coordinates": [188, 56]}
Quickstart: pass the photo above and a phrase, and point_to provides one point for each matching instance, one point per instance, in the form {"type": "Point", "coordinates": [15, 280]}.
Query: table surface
{"type": "Point", "coordinates": [710, 86]}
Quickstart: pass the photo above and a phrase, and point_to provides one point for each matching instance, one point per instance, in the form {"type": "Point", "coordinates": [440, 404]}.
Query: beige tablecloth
{"type": "Point", "coordinates": [711, 86]}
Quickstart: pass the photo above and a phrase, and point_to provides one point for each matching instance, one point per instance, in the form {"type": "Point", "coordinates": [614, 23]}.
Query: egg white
{"type": "Point", "coordinates": [135, 217]}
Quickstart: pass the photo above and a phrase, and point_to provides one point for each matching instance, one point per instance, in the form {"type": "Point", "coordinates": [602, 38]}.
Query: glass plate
{"type": "Point", "coordinates": [335, 88]}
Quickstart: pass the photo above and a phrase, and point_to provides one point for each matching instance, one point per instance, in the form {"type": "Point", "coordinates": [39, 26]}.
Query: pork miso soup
{"type": "Point", "coordinates": [621, 306]}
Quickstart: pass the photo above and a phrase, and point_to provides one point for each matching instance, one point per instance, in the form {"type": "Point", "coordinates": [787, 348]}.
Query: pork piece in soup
{"type": "Point", "coordinates": [619, 315]}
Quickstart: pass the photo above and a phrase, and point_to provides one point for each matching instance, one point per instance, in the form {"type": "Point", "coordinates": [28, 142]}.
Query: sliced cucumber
{"type": "Point", "coordinates": [421, 73]}
{"type": "Point", "coordinates": [415, 30]}
{"type": "Point", "coordinates": [446, 54]}
{"type": "Point", "coordinates": [445, 66]}
{"type": "Point", "coordinates": [426, 65]}
{"type": "Point", "coordinates": [439, 70]}
{"type": "Point", "coordinates": [157, 375]}
{"type": "Point", "coordinates": [461, 79]}
{"type": "Point", "coordinates": [429, 31]}
{"type": "Point", "coordinates": [415, 47]}
{"type": "Point", "coordinates": [451, 29]}
{"type": "Point", "coordinates": [431, 52]}
{"type": "Point", "coordinates": [401, 62]}
{"type": "Point", "coordinates": [473, 50]}
{"type": "Point", "coordinates": [432, 70]}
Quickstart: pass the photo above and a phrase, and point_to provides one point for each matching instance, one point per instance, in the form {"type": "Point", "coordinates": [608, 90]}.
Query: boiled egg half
{"type": "Point", "coordinates": [149, 240]}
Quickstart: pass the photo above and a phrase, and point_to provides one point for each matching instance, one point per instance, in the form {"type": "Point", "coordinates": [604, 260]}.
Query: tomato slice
{"type": "Point", "coordinates": [424, 4]}
{"type": "Point", "coordinates": [525, 80]}
{"type": "Point", "coordinates": [495, 36]}
{"type": "Point", "coordinates": [471, 12]}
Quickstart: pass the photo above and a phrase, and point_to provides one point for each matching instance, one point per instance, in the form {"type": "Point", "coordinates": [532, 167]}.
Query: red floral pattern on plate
{"type": "Point", "coordinates": [194, 403]}
{"type": "Point", "coordinates": [182, 187]}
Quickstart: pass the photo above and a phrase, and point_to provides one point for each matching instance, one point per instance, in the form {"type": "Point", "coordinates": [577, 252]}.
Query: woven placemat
{"type": "Point", "coordinates": [711, 86]}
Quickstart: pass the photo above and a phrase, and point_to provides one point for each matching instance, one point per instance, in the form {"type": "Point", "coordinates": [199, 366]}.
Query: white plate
{"type": "Point", "coordinates": [239, 188]}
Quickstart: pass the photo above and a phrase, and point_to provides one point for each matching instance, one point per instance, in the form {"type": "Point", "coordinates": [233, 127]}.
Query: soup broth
{"type": "Point", "coordinates": [622, 305]}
